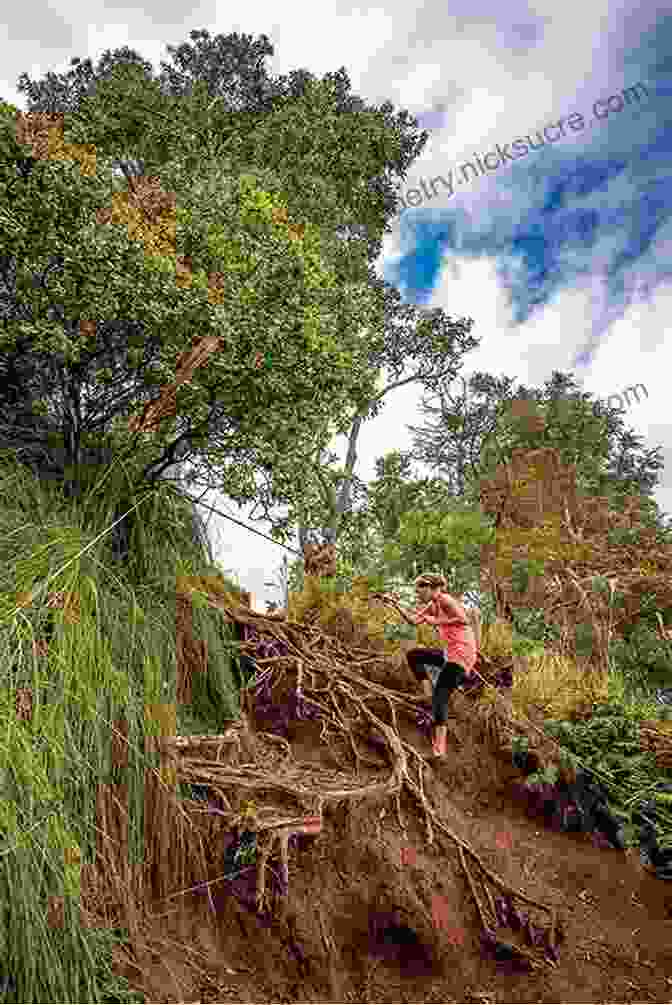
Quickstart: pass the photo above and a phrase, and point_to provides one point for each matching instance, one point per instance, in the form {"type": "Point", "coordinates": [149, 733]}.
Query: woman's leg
{"type": "Point", "coordinates": [418, 659]}
{"type": "Point", "coordinates": [451, 677]}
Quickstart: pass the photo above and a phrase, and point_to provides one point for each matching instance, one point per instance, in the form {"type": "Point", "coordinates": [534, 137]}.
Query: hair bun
{"type": "Point", "coordinates": [432, 579]}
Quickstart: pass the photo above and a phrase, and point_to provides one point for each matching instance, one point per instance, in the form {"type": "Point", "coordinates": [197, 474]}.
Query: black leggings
{"type": "Point", "coordinates": [452, 676]}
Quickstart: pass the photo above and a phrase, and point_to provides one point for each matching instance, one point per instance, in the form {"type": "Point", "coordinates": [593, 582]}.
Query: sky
{"type": "Point", "coordinates": [560, 254]}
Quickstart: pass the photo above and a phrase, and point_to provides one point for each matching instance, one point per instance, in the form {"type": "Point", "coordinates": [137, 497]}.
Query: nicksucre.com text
{"type": "Point", "coordinates": [521, 147]}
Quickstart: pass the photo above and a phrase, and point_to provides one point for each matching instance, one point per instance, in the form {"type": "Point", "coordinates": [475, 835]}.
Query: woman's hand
{"type": "Point", "coordinates": [411, 617]}
{"type": "Point", "coordinates": [407, 616]}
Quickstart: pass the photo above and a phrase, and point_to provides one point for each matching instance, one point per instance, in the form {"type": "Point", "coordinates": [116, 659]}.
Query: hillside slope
{"type": "Point", "coordinates": [367, 872]}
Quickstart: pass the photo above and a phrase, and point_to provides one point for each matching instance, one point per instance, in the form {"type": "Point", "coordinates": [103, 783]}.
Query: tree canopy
{"type": "Point", "coordinates": [229, 224]}
{"type": "Point", "coordinates": [119, 254]}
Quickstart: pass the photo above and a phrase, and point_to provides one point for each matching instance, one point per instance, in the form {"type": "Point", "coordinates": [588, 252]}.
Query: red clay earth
{"type": "Point", "coordinates": [354, 876]}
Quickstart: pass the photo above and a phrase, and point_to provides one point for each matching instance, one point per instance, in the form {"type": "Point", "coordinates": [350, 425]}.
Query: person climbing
{"type": "Point", "coordinates": [442, 671]}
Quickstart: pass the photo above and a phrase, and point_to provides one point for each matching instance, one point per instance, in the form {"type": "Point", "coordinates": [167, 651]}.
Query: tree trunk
{"type": "Point", "coordinates": [350, 461]}
{"type": "Point", "coordinates": [320, 559]}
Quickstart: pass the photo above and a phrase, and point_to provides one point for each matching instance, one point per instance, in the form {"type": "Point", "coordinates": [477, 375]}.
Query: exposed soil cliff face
{"type": "Point", "coordinates": [374, 914]}
{"type": "Point", "coordinates": [388, 899]}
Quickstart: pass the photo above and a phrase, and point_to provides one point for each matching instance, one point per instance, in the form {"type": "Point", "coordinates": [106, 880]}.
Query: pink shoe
{"type": "Point", "coordinates": [439, 748]}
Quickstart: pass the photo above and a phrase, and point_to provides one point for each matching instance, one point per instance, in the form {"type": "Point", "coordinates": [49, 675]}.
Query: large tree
{"type": "Point", "coordinates": [279, 192]}
{"type": "Point", "coordinates": [87, 254]}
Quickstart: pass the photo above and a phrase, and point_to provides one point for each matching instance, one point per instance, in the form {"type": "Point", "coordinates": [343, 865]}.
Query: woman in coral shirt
{"type": "Point", "coordinates": [448, 667]}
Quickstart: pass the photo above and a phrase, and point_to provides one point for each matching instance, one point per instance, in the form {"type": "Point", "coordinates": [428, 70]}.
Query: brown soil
{"type": "Point", "coordinates": [357, 926]}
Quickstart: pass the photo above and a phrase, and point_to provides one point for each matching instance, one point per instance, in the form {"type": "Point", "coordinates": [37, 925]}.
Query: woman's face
{"type": "Point", "coordinates": [424, 594]}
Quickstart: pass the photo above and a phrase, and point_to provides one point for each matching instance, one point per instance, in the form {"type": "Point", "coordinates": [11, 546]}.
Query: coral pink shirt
{"type": "Point", "coordinates": [459, 641]}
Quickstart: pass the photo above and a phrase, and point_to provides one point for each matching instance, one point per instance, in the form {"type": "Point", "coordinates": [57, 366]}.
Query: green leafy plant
{"type": "Point", "coordinates": [524, 647]}
{"type": "Point", "coordinates": [643, 658]}
{"type": "Point", "coordinates": [451, 538]}
{"type": "Point", "coordinates": [608, 745]}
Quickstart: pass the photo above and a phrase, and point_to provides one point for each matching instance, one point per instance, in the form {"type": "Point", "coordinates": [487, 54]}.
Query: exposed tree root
{"type": "Point", "coordinates": [329, 687]}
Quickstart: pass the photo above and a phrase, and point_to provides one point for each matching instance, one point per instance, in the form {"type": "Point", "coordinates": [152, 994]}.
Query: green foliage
{"type": "Point", "coordinates": [292, 300]}
{"type": "Point", "coordinates": [525, 647]}
{"type": "Point", "coordinates": [600, 585]}
{"type": "Point", "coordinates": [445, 539]}
{"type": "Point", "coordinates": [643, 658]}
{"type": "Point", "coordinates": [619, 536]}
{"type": "Point", "coordinates": [407, 345]}
{"type": "Point", "coordinates": [530, 631]}
{"type": "Point", "coordinates": [259, 202]}
{"type": "Point", "coordinates": [103, 665]}
{"type": "Point", "coordinates": [520, 744]}
{"type": "Point", "coordinates": [608, 744]}
{"type": "Point", "coordinates": [649, 617]}
{"type": "Point", "coordinates": [400, 632]}
{"type": "Point", "coordinates": [295, 576]}
{"type": "Point", "coordinates": [488, 608]}
{"type": "Point", "coordinates": [547, 776]}
{"type": "Point", "coordinates": [394, 492]}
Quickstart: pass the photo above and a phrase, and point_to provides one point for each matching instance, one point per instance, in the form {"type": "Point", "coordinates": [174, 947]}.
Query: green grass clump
{"type": "Point", "coordinates": [110, 632]}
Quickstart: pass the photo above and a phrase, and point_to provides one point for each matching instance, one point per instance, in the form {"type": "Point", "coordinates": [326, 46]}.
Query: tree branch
{"type": "Point", "coordinates": [407, 380]}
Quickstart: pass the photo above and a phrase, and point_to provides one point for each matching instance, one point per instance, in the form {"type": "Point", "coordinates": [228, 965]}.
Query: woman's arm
{"type": "Point", "coordinates": [450, 612]}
